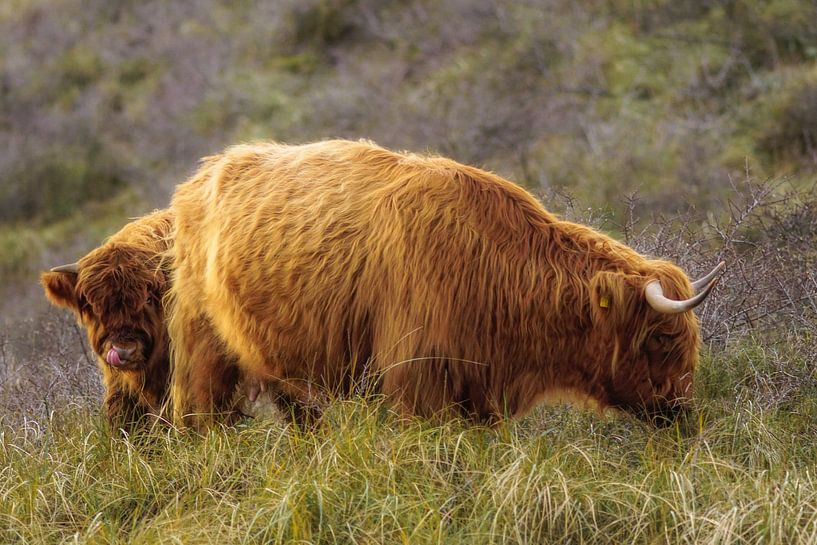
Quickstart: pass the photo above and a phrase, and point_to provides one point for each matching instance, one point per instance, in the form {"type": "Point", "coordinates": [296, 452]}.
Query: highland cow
{"type": "Point", "coordinates": [319, 267]}
{"type": "Point", "coordinates": [116, 292]}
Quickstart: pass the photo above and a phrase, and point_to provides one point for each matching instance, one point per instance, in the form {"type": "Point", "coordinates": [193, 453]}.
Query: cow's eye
{"type": "Point", "coordinates": [658, 342]}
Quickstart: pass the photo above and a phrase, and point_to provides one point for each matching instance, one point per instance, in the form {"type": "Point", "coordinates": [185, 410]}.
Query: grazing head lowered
{"type": "Point", "coordinates": [318, 267]}
{"type": "Point", "coordinates": [116, 293]}
{"type": "Point", "coordinates": [648, 337]}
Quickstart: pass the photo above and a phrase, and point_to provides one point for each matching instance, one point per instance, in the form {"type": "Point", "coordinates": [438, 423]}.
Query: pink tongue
{"type": "Point", "coordinates": [113, 357]}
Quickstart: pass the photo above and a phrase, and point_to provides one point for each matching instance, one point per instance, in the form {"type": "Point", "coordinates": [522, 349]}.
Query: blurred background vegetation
{"type": "Point", "coordinates": [106, 106]}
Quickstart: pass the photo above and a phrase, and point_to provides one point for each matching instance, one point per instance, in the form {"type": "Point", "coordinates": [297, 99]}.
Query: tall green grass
{"type": "Point", "coordinates": [735, 471]}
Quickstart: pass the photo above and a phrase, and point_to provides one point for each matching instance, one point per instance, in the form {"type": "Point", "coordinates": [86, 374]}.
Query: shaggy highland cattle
{"type": "Point", "coordinates": [316, 268]}
{"type": "Point", "coordinates": [116, 292]}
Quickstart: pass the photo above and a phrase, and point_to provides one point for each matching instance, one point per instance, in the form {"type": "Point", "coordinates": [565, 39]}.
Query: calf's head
{"type": "Point", "coordinates": [116, 292]}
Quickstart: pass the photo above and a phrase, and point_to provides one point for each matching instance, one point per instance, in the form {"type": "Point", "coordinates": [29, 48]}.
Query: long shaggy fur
{"type": "Point", "coordinates": [117, 296]}
{"type": "Point", "coordinates": [315, 267]}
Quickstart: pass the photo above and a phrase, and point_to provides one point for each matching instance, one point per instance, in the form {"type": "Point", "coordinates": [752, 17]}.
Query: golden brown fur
{"type": "Point", "coordinates": [117, 296]}
{"type": "Point", "coordinates": [318, 266]}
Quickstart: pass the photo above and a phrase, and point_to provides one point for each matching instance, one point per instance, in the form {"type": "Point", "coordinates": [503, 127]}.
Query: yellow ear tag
{"type": "Point", "coordinates": [604, 301]}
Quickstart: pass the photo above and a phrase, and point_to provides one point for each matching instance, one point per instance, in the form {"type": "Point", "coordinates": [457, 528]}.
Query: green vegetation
{"type": "Point", "coordinates": [634, 90]}
{"type": "Point", "coordinates": [22, 243]}
{"type": "Point", "coordinates": [738, 469]}
{"type": "Point", "coordinates": [58, 184]}
{"type": "Point", "coordinates": [599, 99]}
{"type": "Point", "coordinates": [106, 106]}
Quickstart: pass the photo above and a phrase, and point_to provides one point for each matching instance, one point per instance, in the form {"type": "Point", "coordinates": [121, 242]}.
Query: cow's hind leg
{"type": "Point", "coordinates": [204, 378]}
{"type": "Point", "coordinates": [305, 415]}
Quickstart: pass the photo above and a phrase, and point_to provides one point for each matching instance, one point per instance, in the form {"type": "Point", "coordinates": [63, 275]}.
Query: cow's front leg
{"type": "Point", "coordinates": [123, 411]}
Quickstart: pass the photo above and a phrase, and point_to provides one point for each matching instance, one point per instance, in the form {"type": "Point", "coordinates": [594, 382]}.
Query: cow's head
{"type": "Point", "coordinates": [651, 337]}
{"type": "Point", "coordinates": [116, 292]}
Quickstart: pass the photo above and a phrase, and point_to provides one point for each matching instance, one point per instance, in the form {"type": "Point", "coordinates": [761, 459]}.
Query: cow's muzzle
{"type": "Point", "coordinates": [120, 357]}
{"type": "Point", "coordinates": [664, 415]}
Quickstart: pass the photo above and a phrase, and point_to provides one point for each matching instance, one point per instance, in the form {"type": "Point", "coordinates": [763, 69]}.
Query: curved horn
{"type": "Point", "coordinates": [656, 299]}
{"type": "Point", "coordinates": [703, 282]}
{"type": "Point", "coordinates": [72, 268]}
